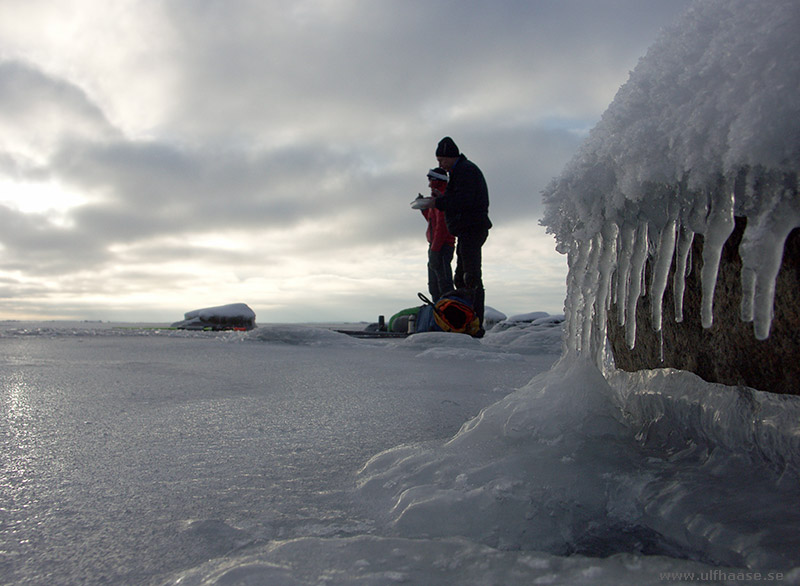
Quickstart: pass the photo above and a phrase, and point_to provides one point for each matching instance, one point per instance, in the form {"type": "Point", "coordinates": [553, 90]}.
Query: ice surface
{"type": "Point", "coordinates": [140, 455]}
{"type": "Point", "coordinates": [574, 464]}
{"type": "Point", "coordinates": [707, 127]}
{"type": "Point", "coordinates": [132, 454]}
{"type": "Point", "coordinates": [368, 559]}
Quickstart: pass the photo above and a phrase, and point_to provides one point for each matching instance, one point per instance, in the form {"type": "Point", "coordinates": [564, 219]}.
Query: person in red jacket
{"type": "Point", "coordinates": [441, 244]}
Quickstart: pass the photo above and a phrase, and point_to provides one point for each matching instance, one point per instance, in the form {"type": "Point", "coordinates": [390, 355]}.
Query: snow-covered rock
{"type": "Point", "coordinates": [491, 316]}
{"type": "Point", "coordinates": [706, 129]}
{"type": "Point", "coordinates": [222, 317]}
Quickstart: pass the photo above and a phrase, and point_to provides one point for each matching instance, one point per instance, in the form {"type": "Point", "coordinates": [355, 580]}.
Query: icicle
{"type": "Point", "coordinates": [762, 252]}
{"type": "Point", "coordinates": [612, 296]}
{"type": "Point", "coordinates": [718, 228]}
{"type": "Point", "coordinates": [577, 258]}
{"type": "Point", "coordinates": [748, 290]}
{"type": "Point", "coordinates": [606, 266]}
{"type": "Point", "coordinates": [664, 254]}
{"type": "Point", "coordinates": [635, 282]}
{"type": "Point", "coordinates": [684, 247]}
{"type": "Point", "coordinates": [627, 234]}
{"type": "Point", "coordinates": [589, 293]}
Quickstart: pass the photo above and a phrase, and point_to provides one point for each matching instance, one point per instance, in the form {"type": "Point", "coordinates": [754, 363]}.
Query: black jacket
{"type": "Point", "coordinates": [466, 200]}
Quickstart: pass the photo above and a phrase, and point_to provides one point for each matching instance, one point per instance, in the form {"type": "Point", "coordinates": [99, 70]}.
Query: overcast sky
{"type": "Point", "coordinates": [159, 157]}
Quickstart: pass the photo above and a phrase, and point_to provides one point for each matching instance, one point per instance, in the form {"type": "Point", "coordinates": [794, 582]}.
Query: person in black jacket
{"type": "Point", "coordinates": [465, 204]}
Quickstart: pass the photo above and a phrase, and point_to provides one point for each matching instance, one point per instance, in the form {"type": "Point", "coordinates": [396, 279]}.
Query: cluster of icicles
{"type": "Point", "coordinates": [706, 128]}
{"type": "Point", "coordinates": [608, 267]}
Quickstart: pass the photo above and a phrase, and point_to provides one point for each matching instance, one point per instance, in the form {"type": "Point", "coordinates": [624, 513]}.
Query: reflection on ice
{"type": "Point", "coordinates": [16, 417]}
{"type": "Point", "coordinates": [17, 480]}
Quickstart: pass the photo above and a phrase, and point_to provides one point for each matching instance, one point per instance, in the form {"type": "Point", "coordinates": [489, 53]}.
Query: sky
{"type": "Point", "coordinates": [160, 157]}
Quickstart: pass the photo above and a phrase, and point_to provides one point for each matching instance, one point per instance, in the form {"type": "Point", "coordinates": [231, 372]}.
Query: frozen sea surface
{"type": "Point", "coordinates": [297, 455]}
{"type": "Point", "coordinates": [130, 455]}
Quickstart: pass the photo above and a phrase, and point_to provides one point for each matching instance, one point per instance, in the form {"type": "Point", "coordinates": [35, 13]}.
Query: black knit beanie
{"type": "Point", "coordinates": [447, 148]}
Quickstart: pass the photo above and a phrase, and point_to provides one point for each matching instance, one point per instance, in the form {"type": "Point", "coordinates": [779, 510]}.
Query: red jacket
{"type": "Point", "coordinates": [437, 232]}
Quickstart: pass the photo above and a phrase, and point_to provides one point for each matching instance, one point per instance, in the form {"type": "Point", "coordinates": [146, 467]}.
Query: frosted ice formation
{"type": "Point", "coordinates": [221, 317]}
{"type": "Point", "coordinates": [706, 128]}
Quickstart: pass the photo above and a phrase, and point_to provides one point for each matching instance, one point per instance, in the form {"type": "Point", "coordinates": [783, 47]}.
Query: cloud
{"type": "Point", "coordinates": [39, 113]}
{"type": "Point", "coordinates": [248, 147]}
{"type": "Point", "coordinates": [324, 67]}
{"type": "Point", "coordinates": [34, 246]}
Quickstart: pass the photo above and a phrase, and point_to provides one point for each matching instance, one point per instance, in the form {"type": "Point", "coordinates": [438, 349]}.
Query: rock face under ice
{"type": "Point", "coordinates": [222, 317]}
{"type": "Point", "coordinates": [727, 352]}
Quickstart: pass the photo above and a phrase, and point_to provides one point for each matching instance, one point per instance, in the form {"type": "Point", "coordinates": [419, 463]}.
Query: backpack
{"type": "Point", "coordinates": [399, 321]}
{"type": "Point", "coordinates": [454, 313]}
{"type": "Point", "coordinates": [424, 320]}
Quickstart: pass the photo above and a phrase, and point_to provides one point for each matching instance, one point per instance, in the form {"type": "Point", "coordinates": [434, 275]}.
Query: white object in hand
{"type": "Point", "coordinates": [422, 203]}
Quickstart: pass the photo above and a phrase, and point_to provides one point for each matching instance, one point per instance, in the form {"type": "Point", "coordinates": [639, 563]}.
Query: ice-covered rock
{"type": "Point", "coordinates": [706, 129]}
{"type": "Point", "coordinates": [491, 316]}
{"type": "Point", "coordinates": [234, 316]}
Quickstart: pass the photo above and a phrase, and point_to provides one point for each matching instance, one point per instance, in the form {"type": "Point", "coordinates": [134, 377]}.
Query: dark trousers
{"type": "Point", "coordinates": [468, 265]}
{"type": "Point", "coordinates": [440, 271]}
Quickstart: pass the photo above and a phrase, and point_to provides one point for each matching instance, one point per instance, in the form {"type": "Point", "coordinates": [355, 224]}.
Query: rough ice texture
{"type": "Point", "coordinates": [574, 463]}
{"type": "Point", "coordinates": [706, 129]}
